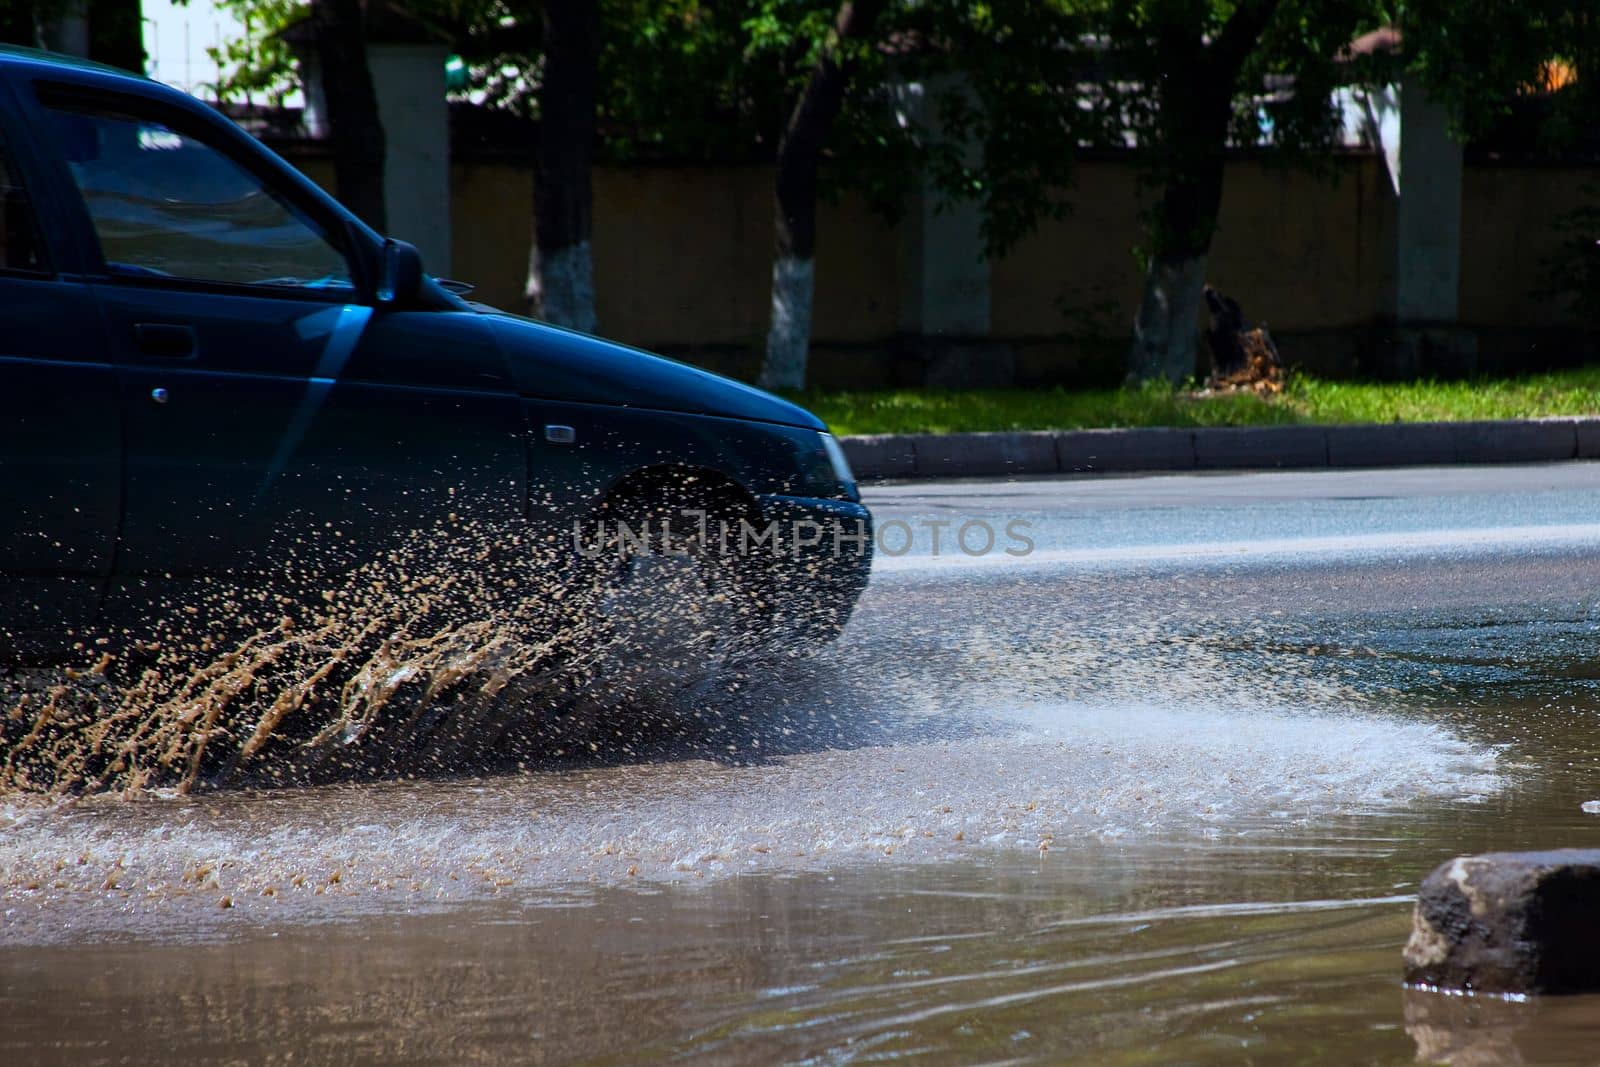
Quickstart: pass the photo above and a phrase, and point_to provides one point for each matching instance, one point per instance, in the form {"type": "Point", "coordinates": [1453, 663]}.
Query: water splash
{"type": "Point", "coordinates": [468, 646]}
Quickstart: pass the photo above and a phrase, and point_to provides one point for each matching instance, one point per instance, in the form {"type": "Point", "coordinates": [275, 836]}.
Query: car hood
{"type": "Point", "coordinates": [556, 364]}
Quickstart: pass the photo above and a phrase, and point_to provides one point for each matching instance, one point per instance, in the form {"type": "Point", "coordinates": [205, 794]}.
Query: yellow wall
{"type": "Point", "coordinates": [491, 223]}
{"type": "Point", "coordinates": [1303, 252]}
{"type": "Point", "coordinates": [683, 254]}
{"type": "Point", "coordinates": [1509, 226]}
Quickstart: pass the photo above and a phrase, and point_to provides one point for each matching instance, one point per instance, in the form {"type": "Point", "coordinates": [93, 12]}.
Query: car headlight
{"type": "Point", "coordinates": [841, 465]}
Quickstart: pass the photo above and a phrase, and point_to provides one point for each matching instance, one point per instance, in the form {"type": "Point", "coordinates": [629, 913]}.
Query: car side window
{"type": "Point", "coordinates": [165, 204]}
{"type": "Point", "coordinates": [21, 240]}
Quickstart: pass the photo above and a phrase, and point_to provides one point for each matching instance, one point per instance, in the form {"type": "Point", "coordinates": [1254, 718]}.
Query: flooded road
{"type": "Point", "coordinates": [1160, 789]}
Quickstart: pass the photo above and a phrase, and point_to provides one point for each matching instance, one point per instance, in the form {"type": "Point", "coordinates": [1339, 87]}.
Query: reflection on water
{"type": "Point", "coordinates": [983, 960]}
{"type": "Point", "coordinates": [1484, 1031]}
{"type": "Point", "coordinates": [1103, 954]}
{"type": "Point", "coordinates": [974, 836]}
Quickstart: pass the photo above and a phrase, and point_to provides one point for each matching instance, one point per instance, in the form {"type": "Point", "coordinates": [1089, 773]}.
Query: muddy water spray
{"type": "Point", "coordinates": [469, 645]}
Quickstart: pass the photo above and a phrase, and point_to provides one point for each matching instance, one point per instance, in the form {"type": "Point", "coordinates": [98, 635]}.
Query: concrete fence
{"type": "Point", "coordinates": [683, 263]}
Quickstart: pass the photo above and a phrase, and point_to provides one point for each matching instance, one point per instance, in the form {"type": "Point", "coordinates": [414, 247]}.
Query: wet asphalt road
{"type": "Point", "coordinates": [1192, 518]}
{"type": "Point", "coordinates": [1181, 762]}
{"type": "Point", "coordinates": [1170, 653]}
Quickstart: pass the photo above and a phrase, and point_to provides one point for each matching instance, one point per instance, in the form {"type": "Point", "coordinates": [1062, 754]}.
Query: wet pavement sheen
{"type": "Point", "coordinates": [1109, 805]}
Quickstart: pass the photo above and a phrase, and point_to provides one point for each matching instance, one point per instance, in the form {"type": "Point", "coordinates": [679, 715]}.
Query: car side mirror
{"type": "Point", "coordinates": [401, 281]}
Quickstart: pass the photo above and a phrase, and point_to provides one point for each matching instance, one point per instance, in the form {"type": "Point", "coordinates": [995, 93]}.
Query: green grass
{"type": "Point", "coordinates": [1307, 400]}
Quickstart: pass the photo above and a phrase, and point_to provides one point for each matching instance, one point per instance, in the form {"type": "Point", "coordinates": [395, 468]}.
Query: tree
{"type": "Point", "coordinates": [1178, 80]}
{"type": "Point", "coordinates": [112, 30]}
{"type": "Point", "coordinates": [678, 80]}
{"type": "Point", "coordinates": [1182, 82]}
{"type": "Point", "coordinates": [1478, 57]}
{"type": "Point", "coordinates": [1195, 87]}
{"type": "Point", "coordinates": [795, 193]}
{"type": "Point", "coordinates": [561, 266]}
{"type": "Point", "coordinates": [116, 33]}
{"type": "Point", "coordinates": [632, 80]}
{"type": "Point", "coordinates": [262, 61]}
{"type": "Point", "coordinates": [19, 23]}
{"type": "Point", "coordinates": [339, 35]}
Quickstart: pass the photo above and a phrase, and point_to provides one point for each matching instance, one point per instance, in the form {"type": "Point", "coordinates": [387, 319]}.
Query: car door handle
{"type": "Point", "coordinates": [165, 340]}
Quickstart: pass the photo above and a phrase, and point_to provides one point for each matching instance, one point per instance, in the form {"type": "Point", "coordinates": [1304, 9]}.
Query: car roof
{"type": "Point", "coordinates": [15, 56]}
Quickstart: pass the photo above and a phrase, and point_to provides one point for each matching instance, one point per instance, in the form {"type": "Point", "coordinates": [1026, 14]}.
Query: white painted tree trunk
{"type": "Point", "coordinates": [789, 330]}
{"type": "Point", "coordinates": [561, 287]}
{"type": "Point", "coordinates": [1164, 331]}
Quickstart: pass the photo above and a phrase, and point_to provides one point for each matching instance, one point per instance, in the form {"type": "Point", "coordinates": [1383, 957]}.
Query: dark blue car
{"type": "Point", "coordinates": [202, 355]}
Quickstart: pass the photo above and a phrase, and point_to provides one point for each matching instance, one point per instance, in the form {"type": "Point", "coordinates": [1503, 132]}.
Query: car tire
{"type": "Point", "coordinates": [674, 603]}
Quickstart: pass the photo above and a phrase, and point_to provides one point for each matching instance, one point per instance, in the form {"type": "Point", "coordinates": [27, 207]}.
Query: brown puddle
{"type": "Point", "coordinates": [1097, 953]}
{"type": "Point", "coordinates": [1021, 834]}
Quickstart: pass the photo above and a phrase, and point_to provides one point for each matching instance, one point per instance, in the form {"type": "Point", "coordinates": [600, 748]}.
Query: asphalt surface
{"type": "Point", "coordinates": [1162, 636]}
{"type": "Point", "coordinates": [1195, 519]}
{"type": "Point", "coordinates": [1160, 787]}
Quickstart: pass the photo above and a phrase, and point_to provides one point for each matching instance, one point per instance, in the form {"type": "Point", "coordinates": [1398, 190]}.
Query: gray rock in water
{"type": "Point", "coordinates": [1509, 922]}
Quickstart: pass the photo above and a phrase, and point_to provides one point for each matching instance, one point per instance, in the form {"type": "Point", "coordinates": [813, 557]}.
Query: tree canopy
{"type": "Point", "coordinates": [1040, 81]}
{"type": "Point", "coordinates": [1013, 92]}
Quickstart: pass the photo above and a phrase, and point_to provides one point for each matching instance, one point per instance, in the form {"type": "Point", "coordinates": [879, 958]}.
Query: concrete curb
{"type": "Point", "coordinates": [987, 455]}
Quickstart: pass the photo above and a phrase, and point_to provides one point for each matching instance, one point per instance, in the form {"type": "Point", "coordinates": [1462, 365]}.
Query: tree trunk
{"type": "Point", "coordinates": [789, 323]}
{"type": "Point", "coordinates": [1182, 224]}
{"type": "Point", "coordinates": [795, 217]}
{"type": "Point", "coordinates": [358, 142]}
{"type": "Point", "coordinates": [19, 23]}
{"type": "Point", "coordinates": [1163, 332]}
{"type": "Point", "coordinates": [116, 34]}
{"type": "Point", "coordinates": [1196, 105]}
{"type": "Point", "coordinates": [561, 266]}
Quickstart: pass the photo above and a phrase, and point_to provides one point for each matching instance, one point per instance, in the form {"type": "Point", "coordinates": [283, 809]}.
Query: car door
{"type": "Point", "coordinates": [60, 433]}
{"type": "Point", "coordinates": [270, 410]}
